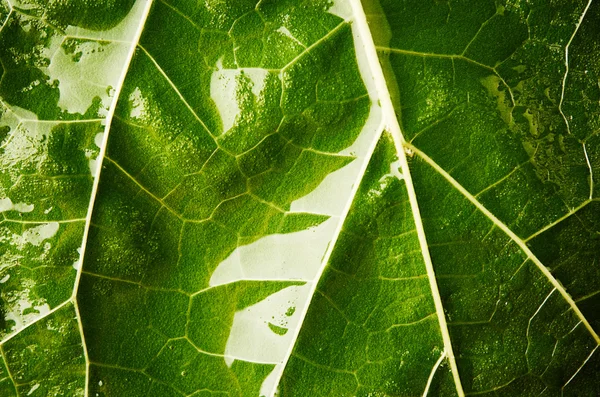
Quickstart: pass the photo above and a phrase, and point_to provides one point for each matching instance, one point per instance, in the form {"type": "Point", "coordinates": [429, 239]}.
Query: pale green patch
{"type": "Point", "coordinates": [252, 337]}
{"type": "Point", "coordinates": [290, 256]}
{"type": "Point", "coordinates": [85, 70]}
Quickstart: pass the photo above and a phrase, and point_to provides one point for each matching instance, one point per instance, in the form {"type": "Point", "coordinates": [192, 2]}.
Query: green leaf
{"type": "Point", "coordinates": [299, 198]}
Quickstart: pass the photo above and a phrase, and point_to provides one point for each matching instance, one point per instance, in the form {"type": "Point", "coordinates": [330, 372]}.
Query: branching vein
{"type": "Point", "coordinates": [392, 123]}
{"type": "Point", "coordinates": [109, 118]}
{"type": "Point", "coordinates": [564, 80]}
{"type": "Point", "coordinates": [559, 287]}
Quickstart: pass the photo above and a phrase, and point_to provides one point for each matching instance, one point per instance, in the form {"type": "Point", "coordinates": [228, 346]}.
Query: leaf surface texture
{"type": "Point", "coordinates": [299, 198]}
